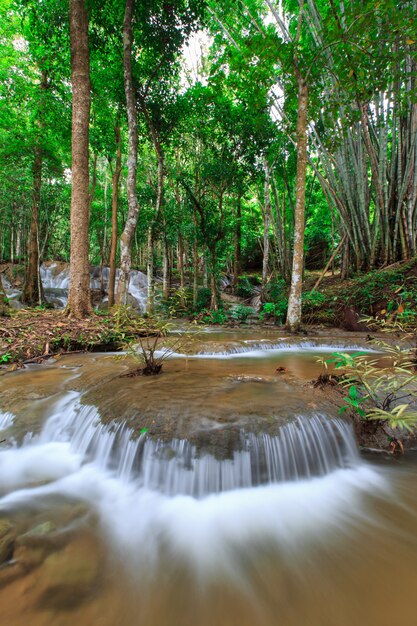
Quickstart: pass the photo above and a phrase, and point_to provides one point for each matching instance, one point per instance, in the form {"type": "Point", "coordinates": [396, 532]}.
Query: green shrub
{"type": "Point", "coordinates": [203, 299]}
{"type": "Point", "coordinates": [274, 310]}
{"type": "Point", "coordinates": [240, 313]}
{"type": "Point", "coordinates": [312, 300]}
{"type": "Point", "coordinates": [244, 288]}
{"type": "Point", "coordinates": [276, 290]}
{"type": "Point", "coordinates": [215, 317]}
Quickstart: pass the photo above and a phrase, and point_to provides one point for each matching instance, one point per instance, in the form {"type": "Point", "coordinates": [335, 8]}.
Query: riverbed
{"type": "Point", "coordinates": [226, 491]}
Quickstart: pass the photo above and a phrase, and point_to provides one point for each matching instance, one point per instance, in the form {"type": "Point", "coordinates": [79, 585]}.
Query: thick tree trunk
{"type": "Point", "coordinates": [114, 204]}
{"type": "Point", "coordinates": [294, 301]}
{"type": "Point", "coordinates": [132, 163]}
{"type": "Point", "coordinates": [79, 301]}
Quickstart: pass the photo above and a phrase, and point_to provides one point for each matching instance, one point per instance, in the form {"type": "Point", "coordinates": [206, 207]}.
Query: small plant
{"type": "Point", "coordinates": [6, 357]}
{"type": "Point", "coordinates": [274, 310]}
{"type": "Point", "coordinates": [215, 317]}
{"type": "Point", "coordinates": [387, 394]}
{"type": "Point", "coordinates": [203, 299]}
{"type": "Point", "coordinates": [240, 313]}
{"type": "Point", "coordinates": [154, 348]}
{"type": "Point", "coordinates": [244, 288]}
{"type": "Point", "coordinates": [312, 300]}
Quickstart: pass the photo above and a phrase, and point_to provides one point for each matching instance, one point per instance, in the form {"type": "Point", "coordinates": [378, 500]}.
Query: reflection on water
{"type": "Point", "coordinates": [98, 540]}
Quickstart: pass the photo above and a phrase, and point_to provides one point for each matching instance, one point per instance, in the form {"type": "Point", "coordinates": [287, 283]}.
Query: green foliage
{"type": "Point", "coordinates": [6, 357]}
{"type": "Point", "coordinates": [312, 300]}
{"type": "Point", "coordinates": [244, 287]}
{"type": "Point", "coordinates": [214, 317]}
{"type": "Point", "coordinates": [274, 310]}
{"type": "Point", "coordinates": [277, 290]}
{"type": "Point", "coordinates": [240, 313]}
{"type": "Point", "coordinates": [377, 392]}
{"type": "Point", "coordinates": [203, 299]}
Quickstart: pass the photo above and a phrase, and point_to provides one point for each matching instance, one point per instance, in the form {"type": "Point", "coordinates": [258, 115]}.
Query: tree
{"type": "Point", "coordinates": [79, 300]}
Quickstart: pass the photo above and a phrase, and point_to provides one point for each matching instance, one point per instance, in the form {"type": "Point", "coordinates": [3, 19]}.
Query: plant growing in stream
{"type": "Point", "coordinates": [155, 347]}
{"type": "Point", "coordinates": [376, 391]}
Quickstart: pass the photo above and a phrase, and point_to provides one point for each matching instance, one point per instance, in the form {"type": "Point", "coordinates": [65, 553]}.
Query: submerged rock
{"type": "Point", "coordinates": [66, 577]}
{"type": "Point", "coordinates": [7, 539]}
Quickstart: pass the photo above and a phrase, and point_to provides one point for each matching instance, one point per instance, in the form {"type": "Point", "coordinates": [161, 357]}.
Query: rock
{"type": "Point", "coordinates": [10, 572]}
{"type": "Point", "coordinates": [350, 321]}
{"type": "Point", "coordinates": [29, 557]}
{"type": "Point", "coordinates": [66, 577]}
{"type": "Point", "coordinates": [7, 539]}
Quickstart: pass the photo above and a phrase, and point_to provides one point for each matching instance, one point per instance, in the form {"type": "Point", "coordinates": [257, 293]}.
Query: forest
{"type": "Point", "coordinates": [239, 143]}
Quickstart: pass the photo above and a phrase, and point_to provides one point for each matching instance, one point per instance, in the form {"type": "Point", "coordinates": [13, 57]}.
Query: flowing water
{"type": "Point", "coordinates": [225, 492]}
{"type": "Point", "coordinates": [55, 280]}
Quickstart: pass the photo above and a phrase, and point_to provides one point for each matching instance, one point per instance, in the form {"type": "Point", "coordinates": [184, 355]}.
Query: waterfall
{"type": "Point", "coordinates": [56, 284]}
{"type": "Point", "coordinates": [305, 448]}
{"type": "Point", "coordinates": [6, 420]}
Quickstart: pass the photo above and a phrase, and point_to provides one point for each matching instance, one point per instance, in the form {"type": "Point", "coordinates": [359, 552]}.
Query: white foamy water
{"type": "Point", "coordinates": [151, 495]}
{"type": "Point", "coordinates": [259, 350]}
{"type": "Point", "coordinates": [6, 420]}
{"type": "Point", "coordinates": [58, 283]}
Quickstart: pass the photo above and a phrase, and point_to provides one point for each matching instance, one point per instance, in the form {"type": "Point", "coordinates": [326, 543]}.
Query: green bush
{"type": "Point", "coordinates": [215, 317]}
{"type": "Point", "coordinates": [244, 288]}
{"type": "Point", "coordinates": [274, 310]}
{"type": "Point", "coordinates": [312, 300]}
{"type": "Point", "coordinates": [203, 299]}
{"type": "Point", "coordinates": [276, 291]}
{"type": "Point", "coordinates": [240, 313]}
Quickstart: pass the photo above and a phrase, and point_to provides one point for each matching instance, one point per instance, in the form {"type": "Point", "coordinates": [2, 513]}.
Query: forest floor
{"type": "Point", "coordinates": [31, 336]}
{"type": "Point", "coordinates": [387, 294]}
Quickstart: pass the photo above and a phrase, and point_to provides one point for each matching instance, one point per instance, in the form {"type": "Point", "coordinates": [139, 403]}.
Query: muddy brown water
{"type": "Point", "coordinates": [90, 549]}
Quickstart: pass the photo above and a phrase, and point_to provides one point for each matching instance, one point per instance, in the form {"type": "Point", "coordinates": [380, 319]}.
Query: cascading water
{"type": "Point", "coordinates": [6, 420]}
{"type": "Point", "coordinates": [307, 447]}
{"type": "Point", "coordinates": [309, 469]}
{"type": "Point", "coordinates": [56, 284]}
{"type": "Point", "coordinates": [243, 527]}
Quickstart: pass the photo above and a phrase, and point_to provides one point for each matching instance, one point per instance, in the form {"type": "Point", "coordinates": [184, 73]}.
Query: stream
{"type": "Point", "coordinates": [225, 492]}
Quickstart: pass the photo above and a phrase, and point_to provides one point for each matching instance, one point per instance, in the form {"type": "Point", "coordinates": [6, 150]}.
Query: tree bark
{"type": "Point", "coordinates": [114, 204]}
{"type": "Point", "coordinates": [293, 322]}
{"type": "Point", "coordinates": [237, 259]}
{"type": "Point", "coordinates": [132, 162]}
{"type": "Point", "coordinates": [267, 227]}
{"type": "Point", "coordinates": [32, 293]}
{"type": "Point", "coordinates": [79, 300]}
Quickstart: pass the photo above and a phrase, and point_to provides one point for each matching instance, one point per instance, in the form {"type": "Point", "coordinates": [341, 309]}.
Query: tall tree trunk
{"type": "Point", "coordinates": [180, 261]}
{"type": "Point", "coordinates": [79, 300]}
{"type": "Point", "coordinates": [267, 227]}
{"type": "Point", "coordinates": [214, 305]}
{"type": "Point", "coordinates": [32, 293]}
{"type": "Point", "coordinates": [114, 203]}
{"type": "Point", "coordinates": [237, 260]}
{"type": "Point", "coordinates": [294, 301]}
{"type": "Point", "coordinates": [132, 162]}
{"type": "Point", "coordinates": [166, 282]}
{"type": "Point", "coordinates": [4, 306]}
{"type": "Point", "coordinates": [150, 271]}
